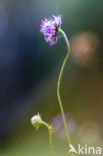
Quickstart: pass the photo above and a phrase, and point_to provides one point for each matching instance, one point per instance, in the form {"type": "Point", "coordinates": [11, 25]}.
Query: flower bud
{"type": "Point", "coordinates": [36, 121]}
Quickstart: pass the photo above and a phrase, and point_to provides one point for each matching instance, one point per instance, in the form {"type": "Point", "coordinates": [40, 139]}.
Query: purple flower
{"type": "Point", "coordinates": [50, 29]}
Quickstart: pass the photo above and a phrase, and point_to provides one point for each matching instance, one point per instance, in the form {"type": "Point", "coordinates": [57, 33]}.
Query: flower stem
{"type": "Point", "coordinates": [50, 129]}
{"type": "Point", "coordinates": [59, 83]}
{"type": "Point", "coordinates": [51, 143]}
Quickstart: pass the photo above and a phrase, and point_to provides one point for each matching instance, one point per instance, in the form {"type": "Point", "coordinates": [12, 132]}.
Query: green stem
{"type": "Point", "coordinates": [50, 129]}
{"type": "Point", "coordinates": [58, 86]}
{"type": "Point", "coordinates": [51, 143]}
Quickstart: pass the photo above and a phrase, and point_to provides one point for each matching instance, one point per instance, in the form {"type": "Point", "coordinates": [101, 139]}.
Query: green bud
{"type": "Point", "coordinates": [36, 121]}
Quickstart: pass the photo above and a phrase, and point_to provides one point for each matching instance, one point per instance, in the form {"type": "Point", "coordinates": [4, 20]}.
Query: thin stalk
{"type": "Point", "coordinates": [59, 83]}
{"type": "Point", "coordinates": [50, 129]}
{"type": "Point", "coordinates": [51, 143]}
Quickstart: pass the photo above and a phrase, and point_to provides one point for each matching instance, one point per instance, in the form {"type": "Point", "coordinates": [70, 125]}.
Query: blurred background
{"type": "Point", "coordinates": [29, 71]}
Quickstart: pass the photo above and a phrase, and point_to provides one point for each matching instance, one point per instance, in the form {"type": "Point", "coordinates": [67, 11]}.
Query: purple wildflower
{"type": "Point", "coordinates": [50, 29]}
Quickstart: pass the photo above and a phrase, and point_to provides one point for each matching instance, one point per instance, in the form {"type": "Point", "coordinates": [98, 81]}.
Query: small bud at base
{"type": "Point", "coordinates": [36, 121]}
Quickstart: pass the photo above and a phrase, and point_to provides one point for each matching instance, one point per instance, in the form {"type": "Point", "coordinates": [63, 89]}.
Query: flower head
{"type": "Point", "coordinates": [50, 29]}
{"type": "Point", "coordinates": [36, 121]}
